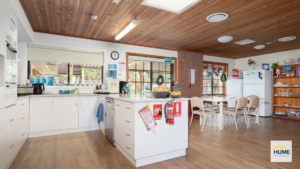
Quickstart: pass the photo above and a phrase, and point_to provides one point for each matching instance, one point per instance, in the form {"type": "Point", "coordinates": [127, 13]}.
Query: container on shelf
{"type": "Point", "coordinates": [293, 113]}
{"type": "Point", "coordinates": [286, 90]}
{"type": "Point", "coordinates": [64, 92]}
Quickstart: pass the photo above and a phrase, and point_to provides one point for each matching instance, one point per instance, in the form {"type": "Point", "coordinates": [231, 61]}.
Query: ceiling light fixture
{"type": "Point", "coordinates": [94, 17]}
{"type": "Point", "coordinates": [175, 6]}
{"type": "Point", "coordinates": [225, 39]}
{"type": "Point", "coordinates": [286, 39]}
{"type": "Point", "coordinates": [217, 17]}
{"type": "Point", "coordinates": [244, 42]}
{"type": "Point", "coordinates": [116, 1]}
{"type": "Point", "coordinates": [126, 29]}
{"type": "Point", "coordinates": [258, 47]}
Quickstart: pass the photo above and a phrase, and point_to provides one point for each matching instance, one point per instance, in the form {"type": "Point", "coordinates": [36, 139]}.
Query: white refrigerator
{"type": "Point", "coordinates": [235, 89]}
{"type": "Point", "coordinates": [262, 87]}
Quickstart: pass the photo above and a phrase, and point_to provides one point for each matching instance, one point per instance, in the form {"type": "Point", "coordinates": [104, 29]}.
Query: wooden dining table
{"type": "Point", "coordinates": [221, 101]}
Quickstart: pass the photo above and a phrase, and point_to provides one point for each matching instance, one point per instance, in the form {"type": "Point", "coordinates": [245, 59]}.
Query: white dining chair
{"type": "Point", "coordinates": [240, 108]}
{"type": "Point", "coordinates": [198, 102]}
{"type": "Point", "coordinates": [253, 107]}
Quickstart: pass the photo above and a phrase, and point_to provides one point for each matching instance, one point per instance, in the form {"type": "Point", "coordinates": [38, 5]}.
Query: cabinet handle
{"type": "Point", "coordinates": [12, 120]}
{"type": "Point", "coordinates": [127, 147]}
{"type": "Point", "coordinates": [12, 146]}
{"type": "Point", "coordinates": [127, 108]}
{"type": "Point", "coordinates": [127, 134]}
{"type": "Point", "coordinates": [22, 104]}
{"type": "Point", "coordinates": [53, 103]}
{"type": "Point", "coordinates": [23, 134]}
{"type": "Point", "coordinates": [127, 121]}
{"type": "Point", "coordinates": [23, 118]}
{"type": "Point", "coordinates": [80, 102]}
{"type": "Point", "coordinates": [118, 105]}
{"type": "Point", "coordinates": [76, 102]}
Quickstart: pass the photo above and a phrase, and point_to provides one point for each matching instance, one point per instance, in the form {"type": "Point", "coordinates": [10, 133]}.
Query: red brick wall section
{"type": "Point", "coordinates": [187, 61]}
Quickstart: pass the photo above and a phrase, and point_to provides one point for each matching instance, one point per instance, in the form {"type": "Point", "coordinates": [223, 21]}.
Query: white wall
{"type": "Point", "coordinates": [242, 64]}
{"type": "Point", "coordinates": [230, 62]}
{"type": "Point", "coordinates": [107, 47]}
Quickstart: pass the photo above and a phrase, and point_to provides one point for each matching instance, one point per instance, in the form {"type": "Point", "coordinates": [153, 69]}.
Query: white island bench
{"type": "Point", "coordinates": [141, 146]}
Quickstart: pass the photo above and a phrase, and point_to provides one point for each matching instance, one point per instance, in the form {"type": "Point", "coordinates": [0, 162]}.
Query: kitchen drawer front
{"type": "Point", "coordinates": [10, 148]}
{"type": "Point", "coordinates": [22, 117]}
{"type": "Point", "coordinates": [118, 105]}
{"type": "Point", "coordinates": [128, 147]}
{"type": "Point", "coordinates": [22, 104]}
{"type": "Point", "coordinates": [128, 108]}
{"type": "Point", "coordinates": [128, 121]}
{"type": "Point", "coordinates": [10, 120]}
{"type": "Point", "coordinates": [22, 134]}
{"type": "Point", "coordinates": [128, 134]}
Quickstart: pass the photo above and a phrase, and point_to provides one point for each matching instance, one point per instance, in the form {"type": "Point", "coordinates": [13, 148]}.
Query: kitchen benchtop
{"type": "Point", "coordinates": [135, 98]}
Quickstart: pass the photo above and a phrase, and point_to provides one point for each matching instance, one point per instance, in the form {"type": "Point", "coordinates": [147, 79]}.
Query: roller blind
{"type": "Point", "coordinates": [38, 53]}
{"type": "Point", "coordinates": [130, 57]}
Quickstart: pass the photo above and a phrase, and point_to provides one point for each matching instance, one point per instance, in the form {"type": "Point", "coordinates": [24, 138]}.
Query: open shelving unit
{"type": "Point", "coordinates": [281, 100]}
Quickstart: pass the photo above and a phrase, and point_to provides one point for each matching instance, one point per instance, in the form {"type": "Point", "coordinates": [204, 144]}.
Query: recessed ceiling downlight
{"type": "Point", "coordinates": [217, 17]}
{"type": "Point", "coordinates": [225, 39]}
{"type": "Point", "coordinates": [285, 39]}
{"type": "Point", "coordinates": [258, 47]}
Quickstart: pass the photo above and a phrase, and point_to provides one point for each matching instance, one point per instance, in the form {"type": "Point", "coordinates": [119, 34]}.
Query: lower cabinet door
{"type": "Point", "coordinates": [88, 107]}
{"type": "Point", "coordinates": [66, 112]}
{"type": "Point", "coordinates": [42, 114]}
{"type": "Point", "coordinates": [2, 152]}
{"type": "Point", "coordinates": [10, 148]}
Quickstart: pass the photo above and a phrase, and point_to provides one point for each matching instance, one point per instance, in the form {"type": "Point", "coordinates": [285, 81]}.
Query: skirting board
{"type": "Point", "coordinates": [152, 159]}
{"type": "Point", "coordinates": [56, 132]}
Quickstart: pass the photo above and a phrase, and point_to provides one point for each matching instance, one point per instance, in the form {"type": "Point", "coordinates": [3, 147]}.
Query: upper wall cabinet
{"type": "Point", "coordinates": [11, 25]}
{"type": "Point", "coordinates": [8, 26]}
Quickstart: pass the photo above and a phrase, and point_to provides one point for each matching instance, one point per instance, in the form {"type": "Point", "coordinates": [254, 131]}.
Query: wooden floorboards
{"type": "Point", "coordinates": [245, 148]}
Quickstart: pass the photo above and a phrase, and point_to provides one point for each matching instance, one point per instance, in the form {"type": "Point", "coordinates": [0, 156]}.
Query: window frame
{"type": "Point", "coordinates": [174, 75]}
{"type": "Point", "coordinates": [68, 75]}
{"type": "Point", "coordinates": [225, 83]}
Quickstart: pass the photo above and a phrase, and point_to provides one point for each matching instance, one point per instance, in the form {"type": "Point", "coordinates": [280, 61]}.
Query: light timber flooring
{"type": "Point", "coordinates": [245, 148]}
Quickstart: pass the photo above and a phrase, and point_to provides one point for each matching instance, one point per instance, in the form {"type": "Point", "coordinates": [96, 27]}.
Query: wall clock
{"type": "Point", "coordinates": [114, 55]}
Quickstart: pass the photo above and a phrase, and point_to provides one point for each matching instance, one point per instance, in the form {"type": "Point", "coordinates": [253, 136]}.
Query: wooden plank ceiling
{"type": "Point", "coordinates": [260, 20]}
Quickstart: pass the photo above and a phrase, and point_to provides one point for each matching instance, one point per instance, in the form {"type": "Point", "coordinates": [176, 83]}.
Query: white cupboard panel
{"type": "Point", "coordinates": [10, 120]}
{"type": "Point", "coordinates": [42, 114]}
{"type": "Point", "coordinates": [2, 148]}
{"type": "Point", "coordinates": [88, 107]}
{"type": "Point", "coordinates": [2, 117]}
{"type": "Point", "coordinates": [66, 112]}
{"type": "Point", "coordinates": [10, 148]}
{"type": "Point", "coordinates": [1, 94]}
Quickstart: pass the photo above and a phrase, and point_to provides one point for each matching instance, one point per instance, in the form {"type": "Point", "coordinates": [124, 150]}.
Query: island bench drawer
{"type": "Point", "coordinates": [128, 133]}
{"type": "Point", "coordinates": [128, 108]}
{"type": "Point", "coordinates": [22, 104]}
{"type": "Point", "coordinates": [128, 121]}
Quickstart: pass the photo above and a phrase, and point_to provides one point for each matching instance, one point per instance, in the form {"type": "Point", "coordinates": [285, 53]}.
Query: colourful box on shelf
{"type": "Point", "coordinates": [293, 113]}
{"type": "Point", "coordinates": [286, 90]}
{"type": "Point", "coordinates": [280, 115]}
{"type": "Point", "coordinates": [64, 92]}
{"type": "Point", "coordinates": [287, 68]}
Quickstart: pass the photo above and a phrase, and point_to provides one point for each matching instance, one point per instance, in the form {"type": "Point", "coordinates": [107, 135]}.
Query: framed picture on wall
{"type": "Point", "coordinates": [266, 66]}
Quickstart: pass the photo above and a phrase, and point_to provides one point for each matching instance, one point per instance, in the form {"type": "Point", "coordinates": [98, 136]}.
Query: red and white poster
{"type": "Point", "coordinates": [147, 117]}
{"type": "Point", "coordinates": [157, 111]}
{"type": "Point", "coordinates": [177, 109]}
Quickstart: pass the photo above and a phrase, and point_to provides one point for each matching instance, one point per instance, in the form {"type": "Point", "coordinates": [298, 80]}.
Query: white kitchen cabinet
{"type": "Point", "coordinates": [2, 105]}
{"type": "Point", "coordinates": [42, 114]}
{"type": "Point", "coordinates": [66, 112]}
{"type": "Point", "coordinates": [11, 25]}
{"type": "Point", "coordinates": [2, 148]}
{"type": "Point", "coordinates": [2, 119]}
{"type": "Point", "coordinates": [88, 107]}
